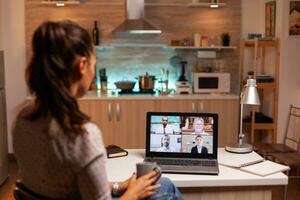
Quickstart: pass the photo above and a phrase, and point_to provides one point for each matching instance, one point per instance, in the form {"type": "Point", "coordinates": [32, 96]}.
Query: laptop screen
{"type": "Point", "coordinates": [182, 134]}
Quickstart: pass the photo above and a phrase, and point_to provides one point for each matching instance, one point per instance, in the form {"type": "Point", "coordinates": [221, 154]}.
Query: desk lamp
{"type": "Point", "coordinates": [249, 96]}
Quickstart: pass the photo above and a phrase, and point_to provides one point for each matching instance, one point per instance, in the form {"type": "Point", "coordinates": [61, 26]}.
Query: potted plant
{"type": "Point", "coordinates": [225, 39]}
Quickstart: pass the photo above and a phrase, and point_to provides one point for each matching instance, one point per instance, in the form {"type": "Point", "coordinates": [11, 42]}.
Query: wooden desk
{"type": "Point", "coordinates": [230, 184]}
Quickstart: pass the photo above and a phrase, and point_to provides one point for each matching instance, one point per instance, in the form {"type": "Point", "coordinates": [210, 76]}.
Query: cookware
{"type": "Point", "coordinates": [125, 85]}
{"type": "Point", "coordinates": [146, 82]}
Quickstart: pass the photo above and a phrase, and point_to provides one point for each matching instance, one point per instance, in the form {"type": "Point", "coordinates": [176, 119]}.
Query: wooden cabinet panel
{"type": "Point", "coordinates": [228, 112]}
{"type": "Point", "coordinates": [176, 106]}
{"type": "Point", "coordinates": [101, 113]}
{"type": "Point", "coordinates": [130, 128]}
{"type": "Point", "coordinates": [122, 122]}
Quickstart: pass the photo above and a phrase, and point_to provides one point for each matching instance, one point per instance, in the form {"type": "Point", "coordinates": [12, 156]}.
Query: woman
{"type": "Point", "coordinates": [199, 126]}
{"type": "Point", "coordinates": [60, 153]}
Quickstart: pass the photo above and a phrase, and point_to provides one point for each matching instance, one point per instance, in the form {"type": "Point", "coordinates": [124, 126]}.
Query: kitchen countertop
{"type": "Point", "coordinates": [98, 96]}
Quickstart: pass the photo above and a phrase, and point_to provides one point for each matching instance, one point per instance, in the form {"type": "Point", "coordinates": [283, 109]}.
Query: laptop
{"type": "Point", "coordinates": [183, 142]}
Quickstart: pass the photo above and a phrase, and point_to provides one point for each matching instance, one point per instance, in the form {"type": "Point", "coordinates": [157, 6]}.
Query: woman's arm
{"type": "Point", "coordinates": [92, 181]}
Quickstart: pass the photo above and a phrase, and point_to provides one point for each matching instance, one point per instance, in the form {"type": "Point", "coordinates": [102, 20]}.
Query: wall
{"type": "Point", "coordinates": [13, 42]}
{"type": "Point", "coordinates": [109, 13]}
{"type": "Point", "coordinates": [289, 91]}
{"type": "Point", "coordinates": [177, 22]}
{"type": "Point", "coordinates": [252, 21]}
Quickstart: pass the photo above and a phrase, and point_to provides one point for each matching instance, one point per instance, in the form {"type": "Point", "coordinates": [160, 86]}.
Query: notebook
{"type": "Point", "coordinates": [238, 160]}
{"type": "Point", "coordinates": [265, 168]}
{"type": "Point", "coordinates": [114, 151]}
{"type": "Point", "coordinates": [250, 162]}
{"type": "Point", "coordinates": [183, 142]}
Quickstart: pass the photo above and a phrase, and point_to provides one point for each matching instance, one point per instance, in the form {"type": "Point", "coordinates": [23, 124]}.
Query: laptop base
{"type": "Point", "coordinates": [209, 168]}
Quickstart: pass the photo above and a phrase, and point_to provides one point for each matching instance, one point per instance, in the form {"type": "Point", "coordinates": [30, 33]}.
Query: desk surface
{"type": "Point", "coordinates": [119, 169]}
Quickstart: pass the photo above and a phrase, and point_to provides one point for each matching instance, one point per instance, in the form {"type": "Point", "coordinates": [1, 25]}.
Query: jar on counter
{"type": "Point", "coordinates": [197, 39]}
{"type": "Point", "coordinates": [204, 41]}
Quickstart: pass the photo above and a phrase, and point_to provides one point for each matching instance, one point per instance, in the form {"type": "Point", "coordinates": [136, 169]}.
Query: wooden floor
{"type": "Point", "coordinates": [7, 188]}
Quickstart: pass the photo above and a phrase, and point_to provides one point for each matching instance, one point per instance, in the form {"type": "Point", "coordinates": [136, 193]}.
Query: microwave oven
{"type": "Point", "coordinates": [211, 82]}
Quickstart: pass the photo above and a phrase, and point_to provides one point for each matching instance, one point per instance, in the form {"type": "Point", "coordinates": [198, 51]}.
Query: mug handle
{"type": "Point", "coordinates": [157, 169]}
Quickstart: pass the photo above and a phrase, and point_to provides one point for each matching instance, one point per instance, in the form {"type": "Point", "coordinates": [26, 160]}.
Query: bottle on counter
{"type": "Point", "coordinates": [93, 86]}
{"type": "Point", "coordinates": [96, 34]}
{"type": "Point", "coordinates": [103, 81]}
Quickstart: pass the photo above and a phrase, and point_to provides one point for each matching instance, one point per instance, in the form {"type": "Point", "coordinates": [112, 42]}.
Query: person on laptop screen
{"type": "Point", "coordinates": [198, 126]}
{"type": "Point", "coordinates": [199, 149]}
{"type": "Point", "coordinates": [165, 127]}
{"type": "Point", "coordinates": [165, 144]}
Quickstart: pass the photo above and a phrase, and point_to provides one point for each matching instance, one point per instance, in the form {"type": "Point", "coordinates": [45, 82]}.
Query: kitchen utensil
{"type": "Point", "coordinates": [167, 92]}
{"type": "Point", "coordinates": [182, 75]}
{"type": "Point", "coordinates": [125, 85]}
{"type": "Point", "coordinates": [146, 82]}
{"type": "Point", "coordinates": [182, 84]}
{"type": "Point", "coordinates": [164, 81]}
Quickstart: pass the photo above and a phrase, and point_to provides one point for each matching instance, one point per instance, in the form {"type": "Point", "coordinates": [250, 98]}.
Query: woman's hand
{"type": "Point", "coordinates": [142, 187]}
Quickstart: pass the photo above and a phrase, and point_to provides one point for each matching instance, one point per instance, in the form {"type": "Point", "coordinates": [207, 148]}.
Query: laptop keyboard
{"type": "Point", "coordinates": [206, 163]}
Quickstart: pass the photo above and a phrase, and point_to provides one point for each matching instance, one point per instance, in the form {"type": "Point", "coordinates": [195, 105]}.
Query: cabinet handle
{"type": "Point", "coordinates": [194, 107]}
{"type": "Point", "coordinates": [109, 112]}
{"type": "Point", "coordinates": [201, 107]}
{"type": "Point", "coordinates": [118, 108]}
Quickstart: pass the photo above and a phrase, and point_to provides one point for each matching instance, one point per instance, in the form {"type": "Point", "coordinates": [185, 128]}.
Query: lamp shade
{"type": "Point", "coordinates": [250, 95]}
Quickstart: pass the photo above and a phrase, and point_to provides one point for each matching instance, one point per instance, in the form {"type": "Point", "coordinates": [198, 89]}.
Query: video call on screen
{"type": "Point", "coordinates": [181, 134]}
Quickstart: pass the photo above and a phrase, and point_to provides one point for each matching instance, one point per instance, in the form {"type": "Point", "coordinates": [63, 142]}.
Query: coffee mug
{"type": "Point", "coordinates": [146, 167]}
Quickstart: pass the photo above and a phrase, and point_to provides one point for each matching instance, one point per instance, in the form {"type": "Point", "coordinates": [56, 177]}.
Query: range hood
{"type": "Point", "coordinates": [135, 23]}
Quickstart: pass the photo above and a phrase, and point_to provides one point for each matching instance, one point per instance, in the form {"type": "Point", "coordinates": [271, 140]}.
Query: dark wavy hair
{"type": "Point", "coordinates": [56, 47]}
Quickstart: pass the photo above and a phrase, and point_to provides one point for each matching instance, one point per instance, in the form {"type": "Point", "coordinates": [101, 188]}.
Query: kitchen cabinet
{"type": "Point", "coordinates": [176, 106]}
{"type": "Point", "coordinates": [101, 114]}
{"type": "Point", "coordinates": [227, 110]}
{"type": "Point", "coordinates": [228, 115]}
{"type": "Point", "coordinates": [123, 122]}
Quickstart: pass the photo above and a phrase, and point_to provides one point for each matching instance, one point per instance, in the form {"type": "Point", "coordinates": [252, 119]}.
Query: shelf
{"type": "Point", "coordinates": [204, 48]}
{"type": "Point", "coordinates": [260, 48]}
{"type": "Point", "coordinates": [271, 85]}
{"type": "Point", "coordinates": [262, 126]}
{"type": "Point", "coordinates": [261, 43]}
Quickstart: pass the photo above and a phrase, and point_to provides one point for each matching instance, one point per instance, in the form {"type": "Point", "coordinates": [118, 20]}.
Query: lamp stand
{"type": "Point", "coordinates": [240, 147]}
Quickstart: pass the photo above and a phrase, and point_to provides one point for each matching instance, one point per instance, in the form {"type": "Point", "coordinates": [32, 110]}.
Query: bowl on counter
{"type": "Point", "coordinates": [125, 85]}
{"type": "Point", "coordinates": [167, 92]}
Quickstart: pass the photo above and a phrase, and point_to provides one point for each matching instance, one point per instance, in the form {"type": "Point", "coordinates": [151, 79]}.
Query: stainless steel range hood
{"type": "Point", "coordinates": [135, 23]}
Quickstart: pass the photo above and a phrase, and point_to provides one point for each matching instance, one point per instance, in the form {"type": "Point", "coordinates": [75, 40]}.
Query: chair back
{"type": "Point", "coordinates": [21, 192]}
{"type": "Point", "coordinates": [292, 132]}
